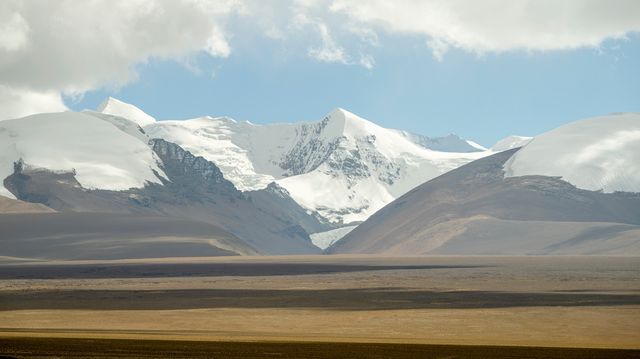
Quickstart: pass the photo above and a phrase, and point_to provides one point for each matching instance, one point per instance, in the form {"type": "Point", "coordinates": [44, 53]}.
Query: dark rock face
{"type": "Point", "coordinates": [442, 210]}
{"type": "Point", "coordinates": [310, 151]}
{"type": "Point", "coordinates": [267, 220]}
{"type": "Point", "coordinates": [181, 166]}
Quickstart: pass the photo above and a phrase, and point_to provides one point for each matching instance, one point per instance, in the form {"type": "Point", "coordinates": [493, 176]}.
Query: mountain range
{"type": "Point", "coordinates": [573, 190]}
{"type": "Point", "coordinates": [216, 186]}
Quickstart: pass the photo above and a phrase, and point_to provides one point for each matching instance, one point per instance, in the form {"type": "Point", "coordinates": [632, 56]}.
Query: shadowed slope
{"type": "Point", "coordinates": [8, 205]}
{"type": "Point", "coordinates": [112, 236]}
{"type": "Point", "coordinates": [195, 190]}
{"type": "Point", "coordinates": [475, 210]}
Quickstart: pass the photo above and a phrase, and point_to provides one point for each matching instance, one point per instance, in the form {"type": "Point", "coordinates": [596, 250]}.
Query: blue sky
{"type": "Point", "coordinates": [481, 97]}
{"type": "Point", "coordinates": [481, 69]}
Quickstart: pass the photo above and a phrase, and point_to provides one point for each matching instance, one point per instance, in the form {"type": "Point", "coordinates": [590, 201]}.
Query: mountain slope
{"type": "Point", "coordinates": [342, 167]}
{"type": "Point", "coordinates": [8, 205]}
{"type": "Point", "coordinates": [73, 236]}
{"type": "Point", "coordinates": [101, 154]}
{"type": "Point", "coordinates": [449, 143]}
{"type": "Point", "coordinates": [476, 210]}
{"type": "Point", "coordinates": [510, 142]}
{"type": "Point", "coordinates": [192, 189]}
{"type": "Point", "coordinates": [601, 153]}
{"type": "Point", "coordinates": [115, 107]}
{"type": "Point", "coordinates": [357, 167]}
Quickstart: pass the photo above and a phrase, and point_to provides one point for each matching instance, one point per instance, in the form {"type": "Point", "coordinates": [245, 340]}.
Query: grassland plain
{"type": "Point", "coordinates": [301, 303]}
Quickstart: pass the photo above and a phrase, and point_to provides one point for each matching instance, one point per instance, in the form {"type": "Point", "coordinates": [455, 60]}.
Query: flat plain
{"type": "Point", "coordinates": [300, 304]}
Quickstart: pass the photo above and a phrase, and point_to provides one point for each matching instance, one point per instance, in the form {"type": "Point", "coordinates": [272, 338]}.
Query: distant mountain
{"type": "Point", "coordinates": [550, 201]}
{"type": "Point", "coordinates": [103, 153]}
{"type": "Point", "coordinates": [342, 167]}
{"type": "Point", "coordinates": [449, 143]}
{"type": "Point", "coordinates": [601, 153]}
{"type": "Point", "coordinates": [93, 162]}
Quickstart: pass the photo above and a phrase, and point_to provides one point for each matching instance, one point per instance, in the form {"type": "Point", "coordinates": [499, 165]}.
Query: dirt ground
{"type": "Point", "coordinates": [580, 302]}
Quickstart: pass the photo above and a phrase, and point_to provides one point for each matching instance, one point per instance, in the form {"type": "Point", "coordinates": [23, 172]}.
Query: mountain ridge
{"type": "Point", "coordinates": [341, 150]}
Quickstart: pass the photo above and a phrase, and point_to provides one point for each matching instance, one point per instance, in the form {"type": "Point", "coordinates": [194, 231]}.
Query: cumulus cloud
{"type": "Point", "coordinates": [79, 45]}
{"type": "Point", "coordinates": [329, 51]}
{"type": "Point", "coordinates": [13, 32]}
{"type": "Point", "coordinates": [16, 103]}
{"type": "Point", "coordinates": [499, 25]}
{"type": "Point", "coordinates": [70, 47]}
{"type": "Point", "coordinates": [76, 46]}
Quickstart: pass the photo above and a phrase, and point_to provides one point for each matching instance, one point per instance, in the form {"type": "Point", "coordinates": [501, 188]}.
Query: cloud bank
{"type": "Point", "coordinates": [70, 47]}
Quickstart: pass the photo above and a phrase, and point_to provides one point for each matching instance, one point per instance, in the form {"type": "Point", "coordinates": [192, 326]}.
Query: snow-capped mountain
{"type": "Point", "coordinates": [347, 168]}
{"type": "Point", "coordinates": [601, 153]}
{"type": "Point", "coordinates": [91, 162]}
{"type": "Point", "coordinates": [510, 142]}
{"type": "Point", "coordinates": [112, 106]}
{"type": "Point", "coordinates": [343, 167]}
{"type": "Point", "coordinates": [572, 190]}
{"type": "Point", "coordinates": [449, 143]}
{"type": "Point", "coordinates": [247, 154]}
{"type": "Point", "coordinates": [102, 154]}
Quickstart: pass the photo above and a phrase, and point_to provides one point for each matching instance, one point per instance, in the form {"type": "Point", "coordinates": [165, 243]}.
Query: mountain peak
{"type": "Point", "coordinates": [339, 111]}
{"type": "Point", "coordinates": [510, 142]}
{"type": "Point", "coordinates": [113, 106]}
{"type": "Point", "coordinates": [346, 122]}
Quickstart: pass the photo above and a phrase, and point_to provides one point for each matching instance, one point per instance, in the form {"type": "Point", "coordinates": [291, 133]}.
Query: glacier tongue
{"type": "Point", "coordinates": [324, 240]}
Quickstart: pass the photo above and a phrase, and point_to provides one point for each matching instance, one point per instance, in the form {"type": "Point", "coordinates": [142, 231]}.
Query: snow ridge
{"type": "Point", "coordinates": [112, 106]}
{"type": "Point", "coordinates": [597, 154]}
{"type": "Point", "coordinates": [510, 142]}
{"type": "Point", "coordinates": [102, 155]}
{"type": "Point", "coordinates": [343, 166]}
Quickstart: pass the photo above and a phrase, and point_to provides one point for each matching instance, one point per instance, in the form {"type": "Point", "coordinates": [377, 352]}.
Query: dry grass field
{"type": "Point", "coordinates": [477, 302]}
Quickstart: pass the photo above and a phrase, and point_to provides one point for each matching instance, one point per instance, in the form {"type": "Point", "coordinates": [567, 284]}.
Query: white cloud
{"type": "Point", "coordinates": [76, 46]}
{"type": "Point", "coordinates": [367, 61]}
{"type": "Point", "coordinates": [499, 25]}
{"type": "Point", "coordinates": [14, 32]}
{"type": "Point", "coordinates": [80, 45]}
{"type": "Point", "coordinates": [16, 103]}
{"type": "Point", "coordinates": [49, 47]}
{"type": "Point", "coordinates": [329, 51]}
{"type": "Point", "coordinates": [438, 48]}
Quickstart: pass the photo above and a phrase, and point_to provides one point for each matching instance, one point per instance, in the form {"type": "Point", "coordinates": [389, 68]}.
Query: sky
{"type": "Point", "coordinates": [483, 69]}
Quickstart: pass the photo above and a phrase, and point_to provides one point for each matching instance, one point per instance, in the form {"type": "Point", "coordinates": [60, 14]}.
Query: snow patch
{"type": "Point", "coordinates": [324, 240]}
